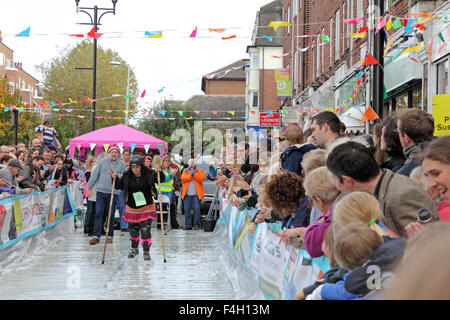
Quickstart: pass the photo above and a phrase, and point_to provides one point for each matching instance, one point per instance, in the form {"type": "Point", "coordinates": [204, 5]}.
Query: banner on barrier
{"type": "Point", "coordinates": [278, 270]}
{"type": "Point", "coordinates": [25, 215]}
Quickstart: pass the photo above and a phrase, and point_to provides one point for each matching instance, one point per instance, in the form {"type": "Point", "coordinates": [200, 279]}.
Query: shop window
{"type": "Point", "coordinates": [442, 77]}
{"type": "Point", "coordinates": [401, 102]}
{"type": "Point", "coordinates": [417, 98]}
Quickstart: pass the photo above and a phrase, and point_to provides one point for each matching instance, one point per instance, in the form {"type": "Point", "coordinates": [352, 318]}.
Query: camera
{"type": "Point", "coordinates": [242, 193]}
{"type": "Point", "coordinates": [425, 216]}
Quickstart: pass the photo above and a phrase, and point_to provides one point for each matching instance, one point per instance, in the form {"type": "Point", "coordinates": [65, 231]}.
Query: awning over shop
{"type": "Point", "coordinates": [352, 117]}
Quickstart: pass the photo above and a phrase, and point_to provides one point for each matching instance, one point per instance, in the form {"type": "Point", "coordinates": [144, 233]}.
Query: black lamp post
{"type": "Point", "coordinates": [95, 21]}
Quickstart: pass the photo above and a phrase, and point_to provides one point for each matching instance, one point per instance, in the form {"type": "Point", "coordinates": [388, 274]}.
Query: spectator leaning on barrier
{"type": "Point", "coordinates": [415, 130]}
{"type": "Point", "coordinates": [322, 191]}
{"type": "Point", "coordinates": [31, 174]}
{"type": "Point", "coordinates": [286, 195]}
{"type": "Point", "coordinates": [325, 127]}
{"type": "Point", "coordinates": [10, 173]}
{"type": "Point", "coordinates": [335, 274]}
{"type": "Point", "coordinates": [355, 244]}
{"type": "Point", "coordinates": [353, 167]}
{"type": "Point", "coordinates": [359, 206]}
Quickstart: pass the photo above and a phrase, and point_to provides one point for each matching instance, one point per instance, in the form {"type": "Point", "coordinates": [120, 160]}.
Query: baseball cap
{"type": "Point", "coordinates": [15, 163]}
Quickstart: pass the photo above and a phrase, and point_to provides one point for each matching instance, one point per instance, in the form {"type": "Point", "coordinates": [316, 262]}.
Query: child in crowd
{"type": "Point", "coordinates": [48, 134]}
{"type": "Point", "coordinates": [335, 274]}
{"type": "Point", "coordinates": [360, 206]}
{"type": "Point", "coordinates": [355, 245]}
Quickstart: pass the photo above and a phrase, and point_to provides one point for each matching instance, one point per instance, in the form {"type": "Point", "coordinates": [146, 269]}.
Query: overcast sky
{"type": "Point", "coordinates": [171, 61]}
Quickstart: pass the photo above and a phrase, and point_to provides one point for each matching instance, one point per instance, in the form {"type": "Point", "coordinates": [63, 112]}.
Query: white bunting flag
{"type": "Point", "coordinates": [92, 145]}
{"type": "Point", "coordinates": [146, 147]}
{"type": "Point", "coordinates": [120, 145]}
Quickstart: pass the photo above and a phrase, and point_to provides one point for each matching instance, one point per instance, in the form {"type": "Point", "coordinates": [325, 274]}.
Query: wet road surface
{"type": "Point", "coordinates": [72, 270]}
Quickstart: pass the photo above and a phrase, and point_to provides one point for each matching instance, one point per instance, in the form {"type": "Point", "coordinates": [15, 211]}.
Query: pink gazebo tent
{"type": "Point", "coordinates": [115, 135]}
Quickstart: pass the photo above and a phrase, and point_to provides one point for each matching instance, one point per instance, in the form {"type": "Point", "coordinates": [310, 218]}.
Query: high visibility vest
{"type": "Point", "coordinates": [168, 185]}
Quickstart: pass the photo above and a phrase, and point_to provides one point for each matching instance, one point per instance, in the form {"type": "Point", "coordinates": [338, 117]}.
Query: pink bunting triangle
{"type": "Point", "coordinates": [197, 112]}
{"type": "Point", "coordinates": [143, 94]}
{"type": "Point", "coordinates": [194, 33]}
{"type": "Point", "coordinates": [381, 24]}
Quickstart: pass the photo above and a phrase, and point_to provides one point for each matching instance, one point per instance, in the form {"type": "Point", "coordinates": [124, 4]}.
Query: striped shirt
{"type": "Point", "coordinates": [48, 133]}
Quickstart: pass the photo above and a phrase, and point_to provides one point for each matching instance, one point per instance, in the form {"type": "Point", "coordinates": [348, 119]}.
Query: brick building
{"type": "Point", "coordinates": [323, 72]}
{"type": "Point", "coordinates": [18, 78]}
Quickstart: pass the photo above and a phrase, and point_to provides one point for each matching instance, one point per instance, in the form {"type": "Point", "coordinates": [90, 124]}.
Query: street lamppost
{"type": "Point", "coordinates": [115, 63]}
{"type": "Point", "coordinates": [95, 21]}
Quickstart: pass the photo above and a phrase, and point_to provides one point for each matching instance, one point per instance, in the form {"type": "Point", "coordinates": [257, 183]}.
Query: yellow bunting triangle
{"type": "Point", "coordinates": [413, 49]}
{"type": "Point", "coordinates": [276, 24]}
{"type": "Point", "coordinates": [106, 147]}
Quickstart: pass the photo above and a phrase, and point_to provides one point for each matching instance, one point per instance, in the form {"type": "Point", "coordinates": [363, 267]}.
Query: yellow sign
{"type": "Point", "coordinates": [281, 74]}
{"type": "Point", "coordinates": [441, 115]}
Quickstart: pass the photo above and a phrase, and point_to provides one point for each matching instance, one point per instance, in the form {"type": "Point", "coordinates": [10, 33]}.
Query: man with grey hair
{"type": "Point", "coordinates": [101, 179]}
{"type": "Point", "coordinates": [8, 175]}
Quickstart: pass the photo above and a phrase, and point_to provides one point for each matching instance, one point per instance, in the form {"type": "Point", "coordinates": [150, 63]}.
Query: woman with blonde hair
{"type": "Point", "coordinates": [322, 191]}
{"type": "Point", "coordinates": [362, 207]}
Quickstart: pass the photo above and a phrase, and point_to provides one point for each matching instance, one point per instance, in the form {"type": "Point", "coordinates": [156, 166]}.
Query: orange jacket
{"type": "Point", "coordinates": [198, 178]}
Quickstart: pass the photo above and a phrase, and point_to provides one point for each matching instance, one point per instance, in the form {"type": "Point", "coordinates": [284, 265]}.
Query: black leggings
{"type": "Point", "coordinates": [141, 231]}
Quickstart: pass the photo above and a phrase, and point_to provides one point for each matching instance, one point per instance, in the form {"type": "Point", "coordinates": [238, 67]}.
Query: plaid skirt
{"type": "Point", "coordinates": [132, 215]}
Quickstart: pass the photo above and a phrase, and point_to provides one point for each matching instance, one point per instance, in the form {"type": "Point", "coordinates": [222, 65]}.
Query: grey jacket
{"type": "Point", "coordinates": [11, 181]}
{"type": "Point", "coordinates": [27, 173]}
{"type": "Point", "coordinates": [400, 200]}
{"type": "Point", "coordinates": [100, 177]}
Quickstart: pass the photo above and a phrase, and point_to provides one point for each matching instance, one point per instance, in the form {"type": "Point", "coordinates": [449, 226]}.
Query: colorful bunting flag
{"type": "Point", "coordinates": [24, 33]}
{"type": "Point", "coordinates": [143, 94]}
{"type": "Point", "coordinates": [180, 113]}
{"type": "Point", "coordinates": [369, 114]}
{"type": "Point", "coordinates": [193, 33]}
{"type": "Point", "coordinates": [354, 20]}
{"type": "Point", "coordinates": [231, 112]}
{"type": "Point", "coordinates": [276, 24]}
{"type": "Point", "coordinates": [417, 48]}
{"type": "Point", "coordinates": [109, 111]}
{"type": "Point", "coordinates": [161, 90]}
{"type": "Point", "coordinates": [160, 147]}
{"type": "Point", "coordinates": [381, 24]}
{"type": "Point", "coordinates": [216, 30]}
{"type": "Point", "coordinates": [230, 37]}
{"type": "Point", "coordinates": [269, 38]}
{"type": "Point", "coordinates": [94, 34]}
{"type": "Point", "coordinates": [370, 60]}
{"type": "Point", "coordinates": [389, 24]}
{"type": "Point", "coordinates": [79, 35]}
{"type": "Point", "coordinates": [358, 35]}
{"type": "Point", "coordinates": [325, 37]}
{"type": "Point", "coordinates": [132, 147]}
{"type": "Point", "coordinates": [397, 24]}
{"type": "Point", "coordinates": [197, 112]}
{"type": "Point", "coordinates": [154, 34]}
{"type": "Point", "coordinates": [120, 145]}
{"type": "Point", "coordinates": [106, 147]}
{"type": "Point", "coordinates": [92, 146]}
{"type": "Point", "coordinates": [127, 96]}
{"type": "Point", "coordinates": [163, 113]}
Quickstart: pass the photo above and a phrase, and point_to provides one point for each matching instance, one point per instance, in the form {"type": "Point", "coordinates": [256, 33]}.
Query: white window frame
{"type": "Point", "coordinates": [331, 41]}
{"type": "Point", "coordinates": [11, 87]}
{"type": "Point", "coordinates": [318, 55]}
{"type": "Point", "coordinates": [338, 35]}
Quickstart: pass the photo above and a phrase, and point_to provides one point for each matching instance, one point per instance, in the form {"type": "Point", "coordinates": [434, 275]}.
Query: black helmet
{"type": "Point", "coordinates": [136, 160]}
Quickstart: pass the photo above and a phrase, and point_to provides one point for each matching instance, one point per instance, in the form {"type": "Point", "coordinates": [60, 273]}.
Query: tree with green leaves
{"type": "Point", "coordinates": [27, 120]}
{"type": "Point", "coordinates": [164, 118]}
{"type": "Point", "coordinates": [62, 81]}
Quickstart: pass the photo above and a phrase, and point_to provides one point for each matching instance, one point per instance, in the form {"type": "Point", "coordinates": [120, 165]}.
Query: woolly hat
{"type": "Point", "coordinates": [113, 147]}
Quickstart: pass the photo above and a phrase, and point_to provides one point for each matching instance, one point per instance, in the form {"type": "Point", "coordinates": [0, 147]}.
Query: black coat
{"type": "Point", "coordinates": [145, 184]}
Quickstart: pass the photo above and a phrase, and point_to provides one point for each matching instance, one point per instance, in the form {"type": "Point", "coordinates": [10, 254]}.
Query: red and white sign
{"type": "Point", "coordinates": [269, 120]}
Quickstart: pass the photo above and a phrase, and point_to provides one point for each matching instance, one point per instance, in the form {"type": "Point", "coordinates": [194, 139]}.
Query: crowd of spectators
{"type": "Point", "coordinates": [368, 202]}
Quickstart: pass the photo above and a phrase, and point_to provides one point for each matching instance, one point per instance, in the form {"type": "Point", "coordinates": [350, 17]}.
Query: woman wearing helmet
{"type": "Point", "coordinates": [138, 183]}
